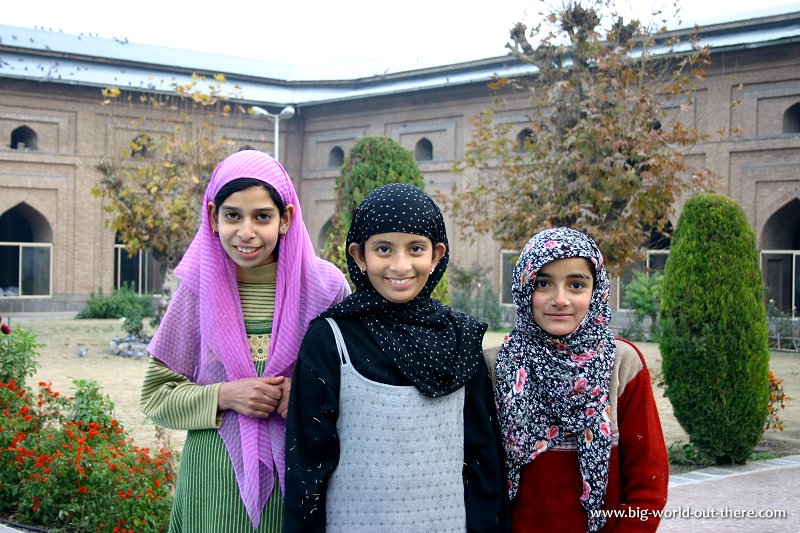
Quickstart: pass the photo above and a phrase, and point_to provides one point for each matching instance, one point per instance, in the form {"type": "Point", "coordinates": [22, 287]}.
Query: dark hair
{"type": "Point", "coordinates": [240, 184]}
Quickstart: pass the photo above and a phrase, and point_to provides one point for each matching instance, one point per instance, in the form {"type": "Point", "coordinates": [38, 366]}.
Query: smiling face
{"type": "Point", "coordinates": [249, 225]}
{"type": "Point", "coordinates": [397, 264]}
{"type": "Point", "coordinates": [562, 293]}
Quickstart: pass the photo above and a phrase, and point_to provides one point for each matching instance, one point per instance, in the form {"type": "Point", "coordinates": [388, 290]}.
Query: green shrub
{"type": "Point", "coordinates": [714, 330]}
{"type": "Point", "coordinates": [90, 404]}
{"type": "Point", "coordinates": [17, 355]}
{"type": "Point", "coordinates": [684, 454]}
{"type": "Point", "coordinates": [643, 297]}
{"type": "Point", "coordinates": [66, 474]}
{"type": "Point", "coordinates": [122, 303]}
{"type": "Point", "coordinates": [473, 295]}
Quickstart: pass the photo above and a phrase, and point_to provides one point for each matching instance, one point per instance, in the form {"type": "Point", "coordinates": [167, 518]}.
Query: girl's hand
{"type": "Point", "coordinates": [283, 406]}
{"type": "Point", "coordinates": [256, 397]}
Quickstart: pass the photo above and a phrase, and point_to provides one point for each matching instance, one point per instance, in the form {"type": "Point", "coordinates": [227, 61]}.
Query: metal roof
{"type": "Point", "coordinates": [48, 56]}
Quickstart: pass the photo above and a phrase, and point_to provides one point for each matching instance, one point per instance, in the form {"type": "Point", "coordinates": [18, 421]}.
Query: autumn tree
{"type": "Point", "coordinates": [601, 148]}
{"type": "Point", "coordinates": [153, 187]}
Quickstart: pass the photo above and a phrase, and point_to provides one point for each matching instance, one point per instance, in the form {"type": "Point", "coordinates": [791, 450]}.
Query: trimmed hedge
{"type": "Point", "coordinates": [714, 330]}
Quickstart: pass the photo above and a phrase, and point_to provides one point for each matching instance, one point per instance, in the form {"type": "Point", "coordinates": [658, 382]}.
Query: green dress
{"type": "Point", "coordinates": [206, 495]}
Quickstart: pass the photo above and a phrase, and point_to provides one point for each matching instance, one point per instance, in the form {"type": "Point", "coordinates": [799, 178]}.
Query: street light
{"type": "Point", "coordinates": [286, 113]}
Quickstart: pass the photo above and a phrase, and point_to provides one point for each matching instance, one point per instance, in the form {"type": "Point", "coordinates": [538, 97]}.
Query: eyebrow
{"type": "Point", "coordinates": [237, 210]}
{"type": "Point", "coordinates": [574, 275]}
{"type": "Point", "coordinates": [387, 241]}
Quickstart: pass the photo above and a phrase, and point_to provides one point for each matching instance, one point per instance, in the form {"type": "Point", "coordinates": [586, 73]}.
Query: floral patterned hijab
{"type": "Point", "coordinates": [550, 388]}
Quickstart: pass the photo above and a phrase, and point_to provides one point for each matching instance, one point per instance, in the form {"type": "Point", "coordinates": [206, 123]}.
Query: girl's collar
{"type": "Point", "coordinates": [260, 274]}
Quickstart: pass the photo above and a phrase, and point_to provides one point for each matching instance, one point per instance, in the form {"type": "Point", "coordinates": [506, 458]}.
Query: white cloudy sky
{"type": "Point", "coordinates": [383, 34]}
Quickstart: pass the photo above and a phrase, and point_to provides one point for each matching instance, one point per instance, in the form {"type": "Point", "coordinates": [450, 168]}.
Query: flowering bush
{"type": "Point", "coordinates": [17, 354]}
{"type": "Point", "coordinates": [777, 400]}
{"type": "Point", "coordinates": [71, 474]}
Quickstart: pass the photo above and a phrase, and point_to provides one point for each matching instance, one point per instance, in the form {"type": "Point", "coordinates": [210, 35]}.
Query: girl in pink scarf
{"type": "Point", "coordinates": [221, 363]}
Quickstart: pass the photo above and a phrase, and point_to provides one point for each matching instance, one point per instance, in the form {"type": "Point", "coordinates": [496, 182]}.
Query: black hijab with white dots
{"type": "Point", "coordinates": [436, 348]}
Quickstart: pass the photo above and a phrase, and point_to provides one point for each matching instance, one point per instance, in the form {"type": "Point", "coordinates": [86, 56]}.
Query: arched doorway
{"type": "Point", "coordinates": [26, 253]}
{"type": "Point", "coordinates": [322, 237]}
{"type": "Point", "coordinates": [780, 257]}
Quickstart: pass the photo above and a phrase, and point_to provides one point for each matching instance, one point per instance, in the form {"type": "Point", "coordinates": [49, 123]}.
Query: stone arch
{"type": "Point", "coordinates": [781, 234]}
{"type": "Point", "coordinates": [791, 119]}
{"type": "Point", "coordinates": [141, 146]}
{"type": "Point", "coordinates": [423, 151]}
{"type": "Point", "coordinates": [23, 138]}
{"type": "Point", "coordinates": [522, 139]}
{"type": "Point", "coordinates": [322, 236]}
{"type": "Point", "coordinates": [336, 157]}
{"type": "Point", "coordinates": [24, 224]}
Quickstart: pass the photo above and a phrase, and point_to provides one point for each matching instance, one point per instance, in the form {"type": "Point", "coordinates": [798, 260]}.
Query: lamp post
{"type": "Point", "coordinates": [286, 112]}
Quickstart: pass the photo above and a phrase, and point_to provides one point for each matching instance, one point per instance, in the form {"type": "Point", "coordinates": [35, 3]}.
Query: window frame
{"type": "Point", "coordinates": [22, 246]}
{"type": "Point", "coordinates": [143, 272]}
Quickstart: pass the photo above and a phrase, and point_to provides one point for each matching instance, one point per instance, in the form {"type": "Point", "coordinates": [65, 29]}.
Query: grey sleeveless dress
{"type": "Point", "coordinates": [401, 457]}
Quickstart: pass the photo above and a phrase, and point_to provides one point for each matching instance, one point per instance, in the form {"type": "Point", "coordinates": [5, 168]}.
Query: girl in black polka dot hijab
{"type": "Point", "coordinates": [391, 393]}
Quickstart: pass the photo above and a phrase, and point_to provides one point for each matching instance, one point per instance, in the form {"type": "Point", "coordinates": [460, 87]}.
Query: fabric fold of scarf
{"type": "Point", "coordinates": [550, 388]}
{"type": "Point", "coordinates": [436, 348]}
{"type": "Point", "coordinates": [208, 296]}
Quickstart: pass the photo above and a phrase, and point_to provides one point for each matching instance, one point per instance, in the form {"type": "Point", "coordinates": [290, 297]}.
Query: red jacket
{"type": "Point", "coordinates": [551, 486]}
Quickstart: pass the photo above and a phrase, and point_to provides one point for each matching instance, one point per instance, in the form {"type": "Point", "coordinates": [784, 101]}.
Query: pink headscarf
{"type": "Point", "coordinates": [202, 334]}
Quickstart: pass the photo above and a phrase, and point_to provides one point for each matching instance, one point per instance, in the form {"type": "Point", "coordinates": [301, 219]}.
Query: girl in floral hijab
{"type": "Point", "coordinates": [563, 386]}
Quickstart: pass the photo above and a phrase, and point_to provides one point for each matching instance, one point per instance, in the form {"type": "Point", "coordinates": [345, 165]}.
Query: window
{"type": "Point", "coordinates": [26, 253]}
{"type": "Point", "coordinates": [141, 272]}
{"type": "Point", "coordinates": [23, 138]}
{"type": "Point", "coordinates": [141, 146]}
{"type": "Point", "coordinates": [791, 119]}
{"type": "Point", "coordinates": [781, 270]}
{"type": "Point", "coordinates": [423, 151]}
{"type": "Point", "coordinates": [522, 139]}
{"type": "Point", "coordinates": [508, 260]}
{"type": "Point", "coordinates": [26, 269]}
{"type": "Point", "coordinates": [336, 157]}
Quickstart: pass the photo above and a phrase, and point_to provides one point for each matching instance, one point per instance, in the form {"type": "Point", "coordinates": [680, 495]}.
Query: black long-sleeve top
{"type": "Point", "coordinates": [312, 442]}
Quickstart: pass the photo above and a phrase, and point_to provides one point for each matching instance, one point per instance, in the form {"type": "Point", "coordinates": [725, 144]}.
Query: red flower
{"type": "Point", "coordinates": [83, 490]}
{"type": "Point", "coordinates": [587, 490]}
{"type": "Point", "coordinates": [5, 329]}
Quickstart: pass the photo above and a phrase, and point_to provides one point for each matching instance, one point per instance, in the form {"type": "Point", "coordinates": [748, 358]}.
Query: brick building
{"type": "Point", "coordinates": [55, 248]}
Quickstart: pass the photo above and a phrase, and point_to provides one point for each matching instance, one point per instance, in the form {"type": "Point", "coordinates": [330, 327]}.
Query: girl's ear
{"type": "Point", "coordinates": [286, 219]}
{"type": "Point", "coordinates": [355, 252]}
{"type": "Point", "coordinates": [212, 217]}
{"type": "Point", "coordinates": [439, 249]}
